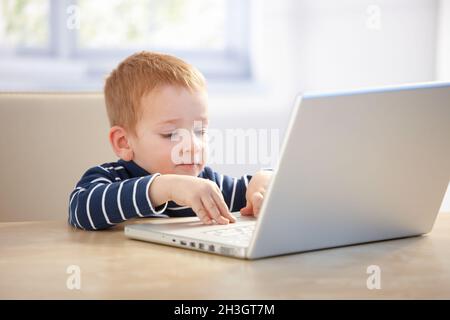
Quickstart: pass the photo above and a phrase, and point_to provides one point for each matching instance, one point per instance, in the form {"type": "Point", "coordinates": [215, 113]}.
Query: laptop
{"type": "Point", "coordinates": [355, 167]}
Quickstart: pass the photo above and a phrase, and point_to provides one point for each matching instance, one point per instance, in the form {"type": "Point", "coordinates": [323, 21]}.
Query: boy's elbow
{"type": "Point", "coordinates": [73, 221]}
{"type": "Point", "coordinates": [79, 219]}
{"type": "Point", "coordinates": [89, 228]}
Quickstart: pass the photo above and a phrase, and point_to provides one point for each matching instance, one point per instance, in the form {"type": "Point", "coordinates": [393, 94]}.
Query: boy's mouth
{"type": "Point", "coordinates": [187, 167]}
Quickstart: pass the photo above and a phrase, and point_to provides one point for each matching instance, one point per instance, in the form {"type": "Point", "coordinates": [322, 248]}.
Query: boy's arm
{"type": "Point", "coordinates": [98, 202]}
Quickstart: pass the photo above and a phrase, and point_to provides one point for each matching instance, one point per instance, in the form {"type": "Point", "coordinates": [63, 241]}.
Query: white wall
{"type": "Point", "coordinates": [443, 45]}
{"type": "Point", "coordinates": [320, 45]}
{"type": "Point", "coordinates": [316, 45]}
{"type": "Point", "coordinates": [312, 45]}
{"type": "Point", "coordinates": [443, 62]}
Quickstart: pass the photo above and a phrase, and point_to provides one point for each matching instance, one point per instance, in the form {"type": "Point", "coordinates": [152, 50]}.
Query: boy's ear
{"type": "Point", "coordinates": [119, 141]}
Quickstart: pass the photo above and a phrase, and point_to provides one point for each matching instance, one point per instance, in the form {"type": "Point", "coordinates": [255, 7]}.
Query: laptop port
{"type": "Point", "coordinates": [192, 244]}
{"type": "Point", "coordinates": [226, 251]}
{"type": "Point", "coordinates": [183, 243]}
{"type": "Point", "coordinates": [211, 248]}
{"type": "Point", "coordinates": [201, 246]}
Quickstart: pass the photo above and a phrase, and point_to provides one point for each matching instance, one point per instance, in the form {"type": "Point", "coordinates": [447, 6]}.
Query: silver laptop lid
{"type": "Point", "coordinates": [358, 167]}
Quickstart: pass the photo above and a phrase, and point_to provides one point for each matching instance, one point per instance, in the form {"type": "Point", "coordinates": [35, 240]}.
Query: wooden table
{"type": "Point", "coordinates": [34, 257]}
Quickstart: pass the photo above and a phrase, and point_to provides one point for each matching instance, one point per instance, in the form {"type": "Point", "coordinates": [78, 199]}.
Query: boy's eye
{"type": "Point", "coordinates": [199, 132]}
{"type": "Point", "coordinates": [169, 135]}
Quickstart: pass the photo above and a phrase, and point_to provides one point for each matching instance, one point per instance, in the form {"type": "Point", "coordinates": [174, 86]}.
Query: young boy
{"type": "Point", "coordinates": [158, 110]}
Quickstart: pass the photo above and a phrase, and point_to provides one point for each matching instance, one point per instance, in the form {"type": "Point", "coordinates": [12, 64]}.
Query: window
{"type": "Point", "coordinates": [176, 25]}
{"type": "Point", "coordinates": [24, 24]}
{"type": "Point", "coordinates": [82, 40]}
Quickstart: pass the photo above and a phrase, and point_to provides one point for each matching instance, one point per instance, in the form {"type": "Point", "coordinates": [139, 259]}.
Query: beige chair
{"type": "Point", "coordinates": [48, 141]}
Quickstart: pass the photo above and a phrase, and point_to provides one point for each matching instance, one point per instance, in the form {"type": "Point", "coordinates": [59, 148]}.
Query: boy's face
{"type": "Point", "coordinates": [170, 135]}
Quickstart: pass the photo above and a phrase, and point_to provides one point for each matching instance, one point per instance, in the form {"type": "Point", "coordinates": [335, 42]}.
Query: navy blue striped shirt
{"type": "Point", "coordinates": [114, 192]}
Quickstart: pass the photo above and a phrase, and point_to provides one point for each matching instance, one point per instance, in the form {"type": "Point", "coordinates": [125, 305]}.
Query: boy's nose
{"type": "Point", "coordinates": [193, 148]}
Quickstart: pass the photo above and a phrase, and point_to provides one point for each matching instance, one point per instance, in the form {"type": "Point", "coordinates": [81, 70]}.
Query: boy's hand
{"type": "Point", "coordinates": [255, 193]}
{"type": "Point", "coordinates": [202, 195]}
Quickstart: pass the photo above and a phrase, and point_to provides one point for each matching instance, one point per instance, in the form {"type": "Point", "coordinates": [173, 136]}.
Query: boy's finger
{"type": "Point", "coordinates": [211, 207]}
{"type": "Point", "coordinates": [257, 202]}
{"type": "Point", "coordinates": [247, 210]}
{"type": "Point", "coordinates": [223, 208]}
{"type": "Point", "coordinates": [201, 212]}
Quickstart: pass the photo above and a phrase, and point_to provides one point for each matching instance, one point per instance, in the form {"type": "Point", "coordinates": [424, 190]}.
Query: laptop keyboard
{"type": "Point", "coordinates": [236, 235]}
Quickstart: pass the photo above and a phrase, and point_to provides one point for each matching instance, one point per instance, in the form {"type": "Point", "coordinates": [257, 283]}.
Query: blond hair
{"type": "Point", "coordinates": [137, 76]}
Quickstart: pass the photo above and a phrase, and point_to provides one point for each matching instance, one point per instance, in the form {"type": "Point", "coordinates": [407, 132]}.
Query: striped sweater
{"type": "Point", "coordinates": [114, 192]}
